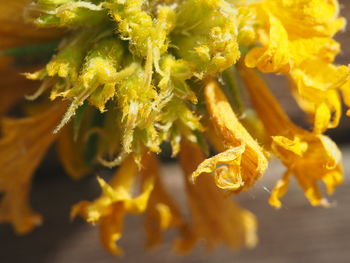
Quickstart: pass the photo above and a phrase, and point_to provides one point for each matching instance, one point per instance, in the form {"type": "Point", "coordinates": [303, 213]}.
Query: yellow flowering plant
{"type": "Point", "coordinates": [130, 77]}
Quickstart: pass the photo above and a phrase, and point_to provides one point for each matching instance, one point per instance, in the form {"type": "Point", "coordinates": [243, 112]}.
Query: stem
{"type": "Point", "coordinates": [232, 90]}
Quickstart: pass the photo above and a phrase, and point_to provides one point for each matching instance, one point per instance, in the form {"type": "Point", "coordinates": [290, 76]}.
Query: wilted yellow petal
{"type": "Point", "coordinates": [296, 146]}
{"type": "Point", "coordinates": [22, 147]}
{"type": "Point", "coordinates": [315, 89]}
{"type": "Point", "coordinates": [162, 213]}
{"type": "Point", "coordinates": [275, 57]}
{"type": "Point", "coordinates": [244, 157]}
{"type": "Point", "coordinates": [309, 156]}
{"type": "Point", "coordinates": [216, 217]}
{"type": "Point", "coordinates": [292, 32]}
{"type": "Point", "coordinates": [116, 200]}
{"type": "Point", "coordinates": [299, 34]}
{"type": "Point", "coordinates": [226, 177]}
{"type": "Point", "coordinates": [279, 190]}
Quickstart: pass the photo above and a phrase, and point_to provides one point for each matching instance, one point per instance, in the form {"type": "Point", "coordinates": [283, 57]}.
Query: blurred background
{"type": "Point", "coordinates": [296, 233]}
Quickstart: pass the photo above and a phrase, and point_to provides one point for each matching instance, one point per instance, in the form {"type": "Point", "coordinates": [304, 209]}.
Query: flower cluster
{"type": "Point", "coordinates": [132, 77]}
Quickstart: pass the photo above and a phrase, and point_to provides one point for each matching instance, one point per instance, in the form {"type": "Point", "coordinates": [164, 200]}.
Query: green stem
{"type": "Point", "coordinates": [232, 90]}
{"type": "Point", "coordinates": [30, 49]}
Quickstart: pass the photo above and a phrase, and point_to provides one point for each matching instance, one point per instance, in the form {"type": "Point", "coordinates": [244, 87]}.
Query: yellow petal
{"type": "Point", "coordinates": [316, 91]}
{"type": "Point", "coordinates": [226, 177]}
{"type": "Point", "coordinates": [116, 200]}
{"type": "Point", "coordinates": [313, 48]}
{"type": "Point", "coordinates": [216, 218]}
{"type": "Point", "coordinates": [292, 32]}
{"type": "Point", "coordinates": [346, 95]}
{"type": "Point", "coordinates": [276, 56]}
{"type": "Point", "coordinates": [162, 212]}
{"type": "Point", "coordinates": [244, 157]}
{"type": "Point", "coordinates": [279, 190]}
{"type": "Point", "coordinates": [310, 157]}
{"type": "Point", "coordinates": [22, 147]}
{"type": "Point", "coordinates": [307, 18]}
{"type": "Point", "coordinates": [296, 146]}
{"type": "Point", "coordinates": [322, 118]}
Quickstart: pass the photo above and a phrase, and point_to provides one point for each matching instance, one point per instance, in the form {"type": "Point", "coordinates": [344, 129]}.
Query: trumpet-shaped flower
{"type": "Point", "coordinates": [311, 157]}
{"type": "Point", "coordinates": [293, 42]}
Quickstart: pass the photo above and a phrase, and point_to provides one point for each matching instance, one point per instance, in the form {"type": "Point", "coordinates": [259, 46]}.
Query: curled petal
{"type": "Point", "coordinates": [210, 206]}
{"type": "Point", "coordinates": [242, 150]}
{"type": "Point", "coordinates": [226, 177]}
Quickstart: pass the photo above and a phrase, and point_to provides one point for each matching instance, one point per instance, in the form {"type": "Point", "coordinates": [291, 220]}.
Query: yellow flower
{"type": "Point", "coordinates": [296, 36]}
{"type": "Point", "coordinates": [142, 76]}
{"type": "Point", "coordinates": [311, 157]}
{"type": "Point", "coordinates": [293, 31]}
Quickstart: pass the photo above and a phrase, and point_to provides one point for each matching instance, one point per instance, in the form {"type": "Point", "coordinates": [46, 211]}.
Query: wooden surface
{"type": "Point", "coordinates": [296, 233]}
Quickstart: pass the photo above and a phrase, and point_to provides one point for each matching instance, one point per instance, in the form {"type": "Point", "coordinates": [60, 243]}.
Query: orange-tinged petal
{"type": "Point", "coordinates": [226, 177]}
{"type": "Point", "coordinates": [216, 217]}
{"type": "Point", "coordinates": [162, 213]}
{"type": "Point", "coordinates": [244, 157]}
{"type": "Point", "coordinates": [22, 147]}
